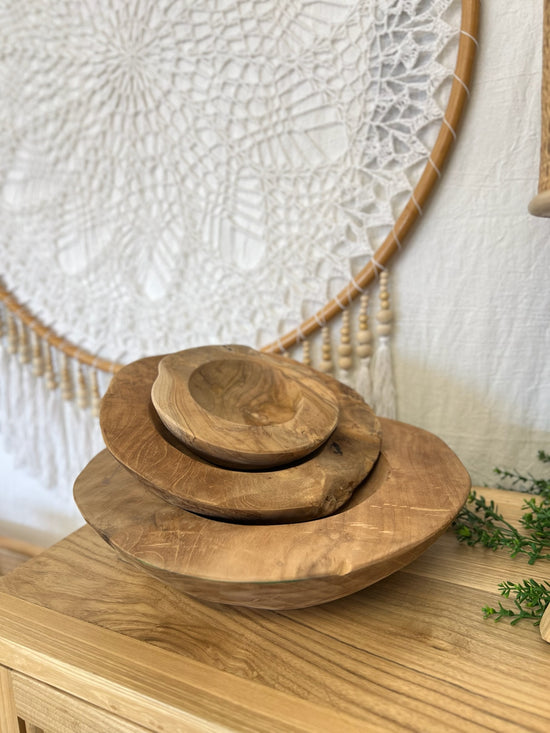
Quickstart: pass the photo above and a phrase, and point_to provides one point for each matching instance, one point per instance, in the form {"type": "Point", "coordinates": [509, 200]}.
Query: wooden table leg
{"type": "Point", "coordinates": [8, 713]}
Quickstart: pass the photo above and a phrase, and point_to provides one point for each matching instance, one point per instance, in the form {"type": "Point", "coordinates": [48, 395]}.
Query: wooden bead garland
{"type": "Point", "coordinates": [384, 315]}
{"type": "Point", "coordinates": [306, 353]}
{"type": "Point", "coordinates": [326, 350]}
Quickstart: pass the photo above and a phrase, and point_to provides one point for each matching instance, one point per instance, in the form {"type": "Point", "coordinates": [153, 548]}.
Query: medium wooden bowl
{"type": "Point", "coordinates": [408, 499]}
{"type": "Point", "coordinates": [241, 408]}
{"type": "Point", "coordinates": [313, 487]}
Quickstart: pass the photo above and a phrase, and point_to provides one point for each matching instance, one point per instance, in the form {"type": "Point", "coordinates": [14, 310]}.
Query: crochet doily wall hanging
{"type": "Point", "coordinates": [182, 173]}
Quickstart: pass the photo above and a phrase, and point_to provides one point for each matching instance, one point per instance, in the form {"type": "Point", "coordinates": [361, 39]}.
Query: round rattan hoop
{"type": "Point", "coordinates": [393, 242]}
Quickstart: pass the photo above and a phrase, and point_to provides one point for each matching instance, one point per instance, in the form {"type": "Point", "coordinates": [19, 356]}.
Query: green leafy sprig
{"type": "Point", "coordinates": [480, 522]}
{"type": "Point", "coordinates": [485, 525]}
{"type": "Point", "coordinates": [530, 600]}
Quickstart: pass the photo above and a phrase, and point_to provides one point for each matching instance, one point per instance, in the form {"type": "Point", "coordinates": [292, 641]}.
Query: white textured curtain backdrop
{"type": "Point", "coordinates": [470, 291]}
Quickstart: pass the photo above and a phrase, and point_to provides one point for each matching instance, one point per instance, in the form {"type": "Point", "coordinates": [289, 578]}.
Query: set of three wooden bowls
{"type": "Point", "coordinates": [246, 478]}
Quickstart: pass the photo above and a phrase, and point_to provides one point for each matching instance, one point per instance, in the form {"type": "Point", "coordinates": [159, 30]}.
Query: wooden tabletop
{"type": "Point", "coordinates": [412, 652]}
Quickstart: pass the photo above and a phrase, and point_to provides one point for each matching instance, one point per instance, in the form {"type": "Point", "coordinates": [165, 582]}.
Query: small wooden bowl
{"type": "Point", "coordinates": [241, 408]}
{"type": "Point", "coordinates": [408, 499]}
{"type": "Point", "coordinates": [313, 487]}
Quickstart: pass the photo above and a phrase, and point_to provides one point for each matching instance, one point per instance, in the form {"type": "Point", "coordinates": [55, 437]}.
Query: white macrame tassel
{"type": "Point", "coordinates": [24, 450]}
{"type": "Point", "coordinates": [13, 396]}
{"type": "Point", "coordinates": [41, 417]}
{"type": "Point", "coordinates": [95, 403]}
{"type": "Point", "coordinates": [363, 382]}
{"type": "Point", "coordinates": [41, 423]}
{"type": "Point", "coordinates": [53, 439]}
{"type": "Point", "coordinates": [345, 361]}
{"type": "Point", "coordinates": [88, 393]}
{"type": "Point", "coordinates": [383, 387]}
{"type": "Point", "coordinates": [73, 427]}
{"type": "Point", "coordinates": [4, 374]}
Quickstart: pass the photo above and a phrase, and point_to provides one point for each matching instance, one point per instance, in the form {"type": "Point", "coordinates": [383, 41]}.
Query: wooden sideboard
{"type": "Point", "coordinates": [89, 643]}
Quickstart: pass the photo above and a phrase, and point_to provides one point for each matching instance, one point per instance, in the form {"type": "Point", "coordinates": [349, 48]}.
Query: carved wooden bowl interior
{"type": "Point", "coordinates": [241, 408]}
{"type": "Point", "coordinates": [312, 487]}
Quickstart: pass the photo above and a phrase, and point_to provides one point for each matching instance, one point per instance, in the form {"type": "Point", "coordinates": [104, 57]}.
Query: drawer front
{"type": "Point", "coordinates": [47, 709]}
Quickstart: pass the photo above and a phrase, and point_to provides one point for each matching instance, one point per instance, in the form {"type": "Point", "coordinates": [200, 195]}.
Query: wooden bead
{"type": "Point", "coordinates": [345, 349]}
{"type": "Point", "coordinates": [384, 316]}
{"type": "Point", "coordinates": [364, 336]}
{"type": "Point", "coordinates": [306, 353]}
{"type": "Point", "coordinates": [326, 360]}
{"type": "Point", "coordinates": [345, 363]}
{"type": "Point", "coordinates": [95, 396]}
{"type": "Point", "coordinates": [83, 400]}
{"type": "Point", "coordinates": [364, 351]}
{"type": "Point", "coordinates": [13, 336]}
{"type": "Point", "coordinates": [37, 357]}
{"type": "Point", "coordinates": [67, 391]}
{"type": "Point", "coordinates": [24, 346]}
{"type": "Point", "coordinates": [51, 380]}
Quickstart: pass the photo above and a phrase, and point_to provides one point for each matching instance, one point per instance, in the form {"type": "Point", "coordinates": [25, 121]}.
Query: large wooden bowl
{"type": "Point", "coordinates": [313, 487]}
{"type": "Point", "coordinates": [409, 498]}
{"type": "Point", "coordinates": [241, 408]}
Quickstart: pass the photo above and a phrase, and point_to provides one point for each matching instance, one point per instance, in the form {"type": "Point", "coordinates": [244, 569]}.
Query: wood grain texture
{"type": "Point", "coordinates": [25, 727]}
{"type": "Point", "coordinates": [240, 408]}
{"type": "Point", "coordinates": [30, 728]}
{"type": "Point", "coordinates": [409, 498]}
{"type": "Point", "coordinates": [13, 552]}
{"type": "Point", "coordinates": [310, 488]}
{"type": "Point", "coordinates": [8, 712]}
{"type": "Point", "coordinates": [148, 686]}
{"type": "Point", "coordinates": [411, 653]}
{"type": "Point", "coordinates": [9, 560]}
{"type": "Point", "coordinates": [44, 707]}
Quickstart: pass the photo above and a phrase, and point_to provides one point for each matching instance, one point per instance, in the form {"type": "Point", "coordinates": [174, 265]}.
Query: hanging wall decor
{"type": "Point", "coordinates": [540, 204]}
{"type": "Point", "coordinates": [178, 174]}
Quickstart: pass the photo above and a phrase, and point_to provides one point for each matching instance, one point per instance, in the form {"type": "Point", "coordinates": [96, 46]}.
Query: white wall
{"type": "Point", "coordinates": [31, 512]}
{"type": "Point", "coordinates": [473, 303]}
{"type": "Point", "coordinates": [470, 291]}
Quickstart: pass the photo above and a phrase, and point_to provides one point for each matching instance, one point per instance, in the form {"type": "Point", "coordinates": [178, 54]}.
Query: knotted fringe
{"type": "Point", "coordinates": [383, 387]}
{"type": "Point", "coordinates": [369, 371]}
{"type": "Point", "coordinates": [49, 403]}
{"type": "Point", "coordinates": [50, 427]}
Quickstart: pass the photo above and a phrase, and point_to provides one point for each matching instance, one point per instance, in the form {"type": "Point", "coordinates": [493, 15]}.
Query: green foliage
{"type": "Point", "coordinates": [530, 601]}
{"type": "Point", "coordinates": [480, 523]}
